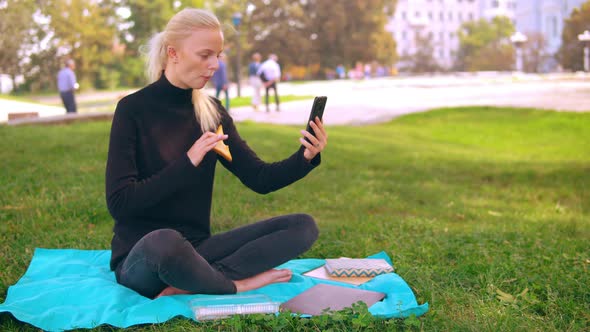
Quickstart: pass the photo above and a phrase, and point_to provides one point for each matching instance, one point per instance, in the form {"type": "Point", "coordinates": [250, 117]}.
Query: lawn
{"type": "Point", "coordinates": [484, 211]}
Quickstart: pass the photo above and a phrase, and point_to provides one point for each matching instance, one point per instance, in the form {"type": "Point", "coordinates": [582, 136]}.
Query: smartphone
{"type": "Point", "coordinates": [319, 103]}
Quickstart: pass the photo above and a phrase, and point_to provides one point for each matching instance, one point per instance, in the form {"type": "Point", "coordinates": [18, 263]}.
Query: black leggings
{"type": "Point", "coordinates": [165, 258]}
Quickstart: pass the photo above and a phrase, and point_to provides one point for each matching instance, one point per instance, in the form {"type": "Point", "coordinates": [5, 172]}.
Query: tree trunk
{"type": "Point", "coordinates": [13, 79]}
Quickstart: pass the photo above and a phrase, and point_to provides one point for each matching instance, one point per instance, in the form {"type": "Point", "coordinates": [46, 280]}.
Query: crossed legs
{"type": "Point", "coordinates": [163, 262]}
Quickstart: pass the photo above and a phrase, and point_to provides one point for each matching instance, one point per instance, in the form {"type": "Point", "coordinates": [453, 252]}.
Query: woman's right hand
{"type": "Point", "coordinates": [203, 145]}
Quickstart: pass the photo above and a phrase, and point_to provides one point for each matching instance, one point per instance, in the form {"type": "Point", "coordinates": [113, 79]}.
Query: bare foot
{"type": "Point", "coordinates": [265, 278]}
{"type": "Point", "coordinates": [171, 291]}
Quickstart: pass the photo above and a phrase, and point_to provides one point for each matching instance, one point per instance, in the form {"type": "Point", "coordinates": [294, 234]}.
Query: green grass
{"type": "Point", "coordinates": [468, 202]}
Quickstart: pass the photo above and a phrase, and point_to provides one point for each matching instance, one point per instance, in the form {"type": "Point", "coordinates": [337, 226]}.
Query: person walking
{"type": "Point", "coordinates": [270, 73]}
{"type": "Point", "coordinates": [160, 172]}
{"type": "Point", "coordinates": [255, 81]}
{"type": "Point", "coordinates": [220, 80]}
{"type": "Point", "coordinates": [66, 84]}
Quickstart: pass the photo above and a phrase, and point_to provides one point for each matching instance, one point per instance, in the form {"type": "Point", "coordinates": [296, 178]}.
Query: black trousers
{"type": "Point", "coordinates": [274, 87]}
{"type": "Point", "coordinates": [67, 97]}
{"type": "Point", "coordinates": [164, 257]}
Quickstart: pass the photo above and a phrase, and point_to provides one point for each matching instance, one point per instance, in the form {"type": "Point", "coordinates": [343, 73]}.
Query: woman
{"type": "Point", "coordinates": [254, 79]}
{"type": "Point", "coordinates": [159, 178]}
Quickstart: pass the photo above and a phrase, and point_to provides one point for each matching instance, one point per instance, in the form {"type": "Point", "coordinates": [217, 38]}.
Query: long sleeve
{"type": "Point", "coordinates": [127, 192]}
{"type": "Point", "coordinates": [73, 79]}
{"type": "Point", "coordinates": [258, 175]}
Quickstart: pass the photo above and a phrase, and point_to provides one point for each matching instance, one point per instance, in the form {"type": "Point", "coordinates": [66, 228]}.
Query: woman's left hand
{"type": "Point", "coordinates": [318, 142]}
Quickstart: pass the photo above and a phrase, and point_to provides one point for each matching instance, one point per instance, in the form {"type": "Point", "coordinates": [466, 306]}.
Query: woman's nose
{"type": "Point", "coordinates": [214, 64]}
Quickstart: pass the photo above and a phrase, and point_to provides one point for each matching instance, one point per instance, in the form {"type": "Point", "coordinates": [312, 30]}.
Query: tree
{"type": "Point", "coordinates": [281, 27]}
{"type": "Point", "coordinates": [322, 34]}
{"type": "Point", "coordinates": [533, 51]}
{"type": "Point", "coordinates": [485, 45]}
{"type": "Point", "coordinates": [570, 54]}
{"type": "Point", "coordinates": [84, 30]}
{"type": "Point", "coordinates": [147, 17]}
{"type": "Point", "coordinates": [422, 61]}
{"type": "Point", "coordinates": [16, 22]}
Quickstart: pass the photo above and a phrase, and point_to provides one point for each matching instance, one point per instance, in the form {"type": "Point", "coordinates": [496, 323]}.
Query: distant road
{"type": "Point", "coordinates": [382, 99]}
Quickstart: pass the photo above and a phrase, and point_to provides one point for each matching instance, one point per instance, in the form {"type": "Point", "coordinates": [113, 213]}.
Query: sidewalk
{"type": "Point", "coordinates": [352, 102]}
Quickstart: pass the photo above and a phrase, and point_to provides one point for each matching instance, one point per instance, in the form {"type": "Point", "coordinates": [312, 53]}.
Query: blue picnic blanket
{"type": "Point", "coordinates": [66, 288]}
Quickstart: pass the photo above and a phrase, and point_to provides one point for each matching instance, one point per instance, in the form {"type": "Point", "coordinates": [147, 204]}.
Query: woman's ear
{"type": "Point", "coordinates": [171, 51]}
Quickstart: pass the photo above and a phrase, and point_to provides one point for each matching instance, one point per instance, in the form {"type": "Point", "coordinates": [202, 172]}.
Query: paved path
{"type": "Point", "coordinates": [364, 102]}
{"type": "Point", "coordinates": [376, 100]}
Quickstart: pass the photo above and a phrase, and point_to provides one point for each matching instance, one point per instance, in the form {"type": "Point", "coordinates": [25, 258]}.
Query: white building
{"type": "Point", "coordinates": [441, 19]}
{"type": "Point", "coordinates": [437, 19]}
{"type": "Point", "coordinates": [492, 8]}
{"type": "Point", "coordinates": [545, 17]}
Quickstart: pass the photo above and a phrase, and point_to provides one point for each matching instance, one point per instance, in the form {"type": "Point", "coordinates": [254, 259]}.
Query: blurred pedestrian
{"type": "Point", "coordinates": [270, 73]}
{"type": "Point", "coordinates": [220, 80]}
{"type": "Point", "coordinates": [255, 81]}
{"type": "Point", "coordinates": [66, 84]}
{"type": "Point", "coordinates": [367, 70]}
{"type": "Point", "coordinates": [341, 71]}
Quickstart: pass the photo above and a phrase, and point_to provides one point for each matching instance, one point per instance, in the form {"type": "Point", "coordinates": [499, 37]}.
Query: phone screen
{"type": "Point", "coordinates": [319, 103]}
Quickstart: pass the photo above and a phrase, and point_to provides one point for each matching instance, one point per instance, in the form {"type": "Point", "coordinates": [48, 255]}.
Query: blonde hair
{"type": "Point", "coordinates": [179, 28]}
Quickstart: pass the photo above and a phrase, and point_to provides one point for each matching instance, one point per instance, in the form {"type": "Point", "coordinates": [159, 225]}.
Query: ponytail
{"type": "Point", "coordinates": [156, 57]}
{"type": "Point", "coordinates": [177, 29]}
{"type": "Point", "coordinates": [205, 111]}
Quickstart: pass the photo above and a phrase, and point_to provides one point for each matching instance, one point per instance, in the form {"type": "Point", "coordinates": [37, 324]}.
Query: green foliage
{"type": "Point", "coordinates": [148, 17]}
{"type": "Point", "coordinates": [534, 54]}
{"type": "Point", "coordinates": [484, 212]}
{"type": "Point", "coordinates": [423, 60]}
{"type": "Point", "coordinates": [16, 20]}
{"type": "Point", "coordinates": [327, 33]}
{"type": "Point", "coordinates": [571, 52]}
{"type": "Point", "coordinates": [87, 30]}
{"type": "Point", "coordinates": [485, 45]}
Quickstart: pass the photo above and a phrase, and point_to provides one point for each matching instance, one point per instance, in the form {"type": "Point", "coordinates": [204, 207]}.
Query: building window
{"type": "Point", "coordinates": [460, 17]}
{"type": "Point", "coordinates": [430, 15]}
{"type": "Point", "coordinates": [554, 26]}
{"type": "Point", "coordinates": [404, 15]}
{"type": "Point", "coordinates": [417, 14]}
{"type": "Point", "coordinates": [404, 34]}
{"type": "Point", "coordinates": [442, 16]}
{"type": "Point", "coordinates": [495, 4]}
{"type": "Point", "coordinates": [450, 16]}
{"type": "Point", "coordinates": [470, 15]}
{"type": "Point", "coordinates": [441, 36]}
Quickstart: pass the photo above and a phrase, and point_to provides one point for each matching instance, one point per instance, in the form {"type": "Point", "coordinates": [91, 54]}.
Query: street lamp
{"type": "Point", "coordinates": [585, 39]}
{"type": "Point", "coordinates": [237, 21]}
{"type": "Point", "coordinates": [518, 39]}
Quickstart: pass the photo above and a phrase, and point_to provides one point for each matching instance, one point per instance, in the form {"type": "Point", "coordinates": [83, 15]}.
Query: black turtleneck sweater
{"type": "Point", "coordinates": [150, 181]}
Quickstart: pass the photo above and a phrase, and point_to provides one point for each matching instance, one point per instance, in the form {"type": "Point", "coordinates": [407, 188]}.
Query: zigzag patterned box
{"type": "Point", "coordinates": [357, 267]}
